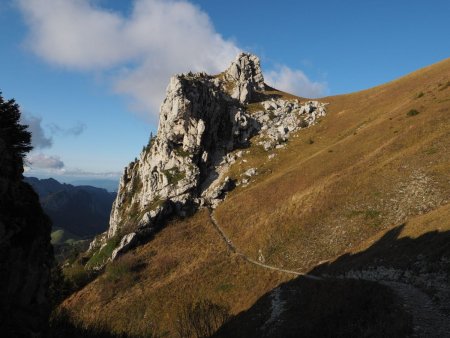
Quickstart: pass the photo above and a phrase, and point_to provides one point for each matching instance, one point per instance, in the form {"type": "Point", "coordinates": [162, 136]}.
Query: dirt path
{"type": "Point", "coordinates": [428, 321]}
{"type": "Point", "coordinates": [232, 247]}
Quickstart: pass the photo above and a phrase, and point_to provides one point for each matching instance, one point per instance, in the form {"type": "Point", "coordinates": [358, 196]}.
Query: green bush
{"type": "Point", "coordinates": [136, 185]}
{"type": "Point", "coordinates": [104, 253]}
{"type": "Point", "coordinates": [118, 269]}
{"type": "Point", "coordinates": [126, 268]}
{"type": "Point", "coordinates": [412, 112]}
{"type": "Point", "coordinates": [181, 152]}
{"type": "Point", "coordinates": [303, 123]}
{"type": "Point", "coordinates": [174, 175]}
{"type": "Point", "coordinates": [201, 319]}
{"type": "Point", "coordinates": [77, 276]}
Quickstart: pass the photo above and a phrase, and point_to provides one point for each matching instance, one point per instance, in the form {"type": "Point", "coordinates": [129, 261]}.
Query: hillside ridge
{"type": "Point", "coordinates": [360, 196]}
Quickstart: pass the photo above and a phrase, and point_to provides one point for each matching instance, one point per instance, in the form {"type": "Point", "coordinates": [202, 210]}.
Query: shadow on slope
{"type": "Point", "coordinates": [354, 298]}
{"type": "Point", "coordinates": [61, 325]}
{"type": "Point", "coordinates": [425, 254]}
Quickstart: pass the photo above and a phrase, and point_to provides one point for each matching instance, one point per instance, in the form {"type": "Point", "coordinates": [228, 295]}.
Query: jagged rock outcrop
{"type": "Point", "coordinates": [280, 117]}
{"type": "Point", "coordinates": [202, 120]}
{"type": "Point", "coordinates": [199, 124]}
{"type": "Point", "coordinates": [245, 77]}
{"type": "Point", "coordinates": [25, 251]}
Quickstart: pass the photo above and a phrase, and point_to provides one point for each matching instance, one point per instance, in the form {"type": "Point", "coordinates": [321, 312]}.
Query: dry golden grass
{"type": "Point", "coordinates": [437, 220]}
{"type": "Point", "coordinates": [186, 261]}
{"type": "Point", "coordinates": [370, 168]}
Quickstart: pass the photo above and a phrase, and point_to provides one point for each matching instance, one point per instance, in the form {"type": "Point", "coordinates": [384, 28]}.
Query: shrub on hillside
{"type": "Point", "coordinates": [412, 112]}
{"type": "Point", "coordinates": [63, 325]}
{"type": "Point", "coordinates": [201, 319]}
{"type": "Point", "coordinates": [78, 276]}
{"type": "Point", "coordinates": [303, 123]}
{"type": "Point", "coordinates": [125, 267]}
{"type": "Point", "coordinates": [102, 255]}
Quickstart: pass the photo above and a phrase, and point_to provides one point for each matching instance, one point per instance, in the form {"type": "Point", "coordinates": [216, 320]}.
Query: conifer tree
{"type": "Point", "coordinates": [15, 135]}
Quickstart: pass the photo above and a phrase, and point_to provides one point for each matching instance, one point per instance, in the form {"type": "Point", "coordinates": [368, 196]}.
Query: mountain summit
{"type": "Point", "coordinates": [246, 75]}
{"type": "Point", "coordinates": [204, 121]}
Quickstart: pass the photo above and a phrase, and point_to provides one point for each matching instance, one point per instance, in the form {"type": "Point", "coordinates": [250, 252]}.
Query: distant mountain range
{"type": "Point", "coordinates": [110, 185]}
{"type": "Point", "coordinates": [79, 210]}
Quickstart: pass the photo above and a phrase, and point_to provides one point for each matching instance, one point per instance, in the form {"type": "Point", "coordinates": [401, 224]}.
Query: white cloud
{"type": "Point", "coordinates": [38, 138]}
{"type": "Point", "coordinates": [42, 161]}
{"type": "Point", "coordinates": [140, 51]}
{"type": "Point", "coordinates": [158, 39]}
{"type": "Point", "coordinates": [73, 33]}
{"type": "Point", "coordinates": [83, 173]}
{"type": "Point", "coordinates": [294, 81]}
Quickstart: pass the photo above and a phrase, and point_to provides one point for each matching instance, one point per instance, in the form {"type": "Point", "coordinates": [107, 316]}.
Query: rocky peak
{"type": "Point", "coordinates": [203, 119]}
{"type": "Point", "coordinates": [245, 72]}
{"type": "Point", "coordinates": [199, 124]}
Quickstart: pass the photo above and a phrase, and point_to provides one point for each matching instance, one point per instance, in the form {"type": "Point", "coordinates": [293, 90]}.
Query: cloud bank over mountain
{"type": "Point", "coordinates": [295, 81]}
{"type": "Point", "coordinates": [139, 51]}
{"type": "Point", "coordinates": [42, 161]}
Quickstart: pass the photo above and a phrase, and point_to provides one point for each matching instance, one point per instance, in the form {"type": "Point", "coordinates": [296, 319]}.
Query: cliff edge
{"type": "Point", "coordinates": [26, 255]}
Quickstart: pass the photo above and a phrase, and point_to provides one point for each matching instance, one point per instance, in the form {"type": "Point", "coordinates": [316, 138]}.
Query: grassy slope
{"type": "Point", "coordinates": [61, 236]}
{"type": "Point", "coordinates": [186, 261]}
{"type": "Point", "coordinates": [317, 308]}
{"type": "Point", "coordinates": [370, 168]}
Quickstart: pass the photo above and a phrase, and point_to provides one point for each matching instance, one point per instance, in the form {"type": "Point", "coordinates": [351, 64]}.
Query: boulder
{"type": "Point", "coordinates": [126, 243]}
{"type": "Point", "coordinates": [246, 75]}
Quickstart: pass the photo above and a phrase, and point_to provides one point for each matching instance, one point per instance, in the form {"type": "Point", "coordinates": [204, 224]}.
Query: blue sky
{"type": "Point", "coordinates": [90, 75]}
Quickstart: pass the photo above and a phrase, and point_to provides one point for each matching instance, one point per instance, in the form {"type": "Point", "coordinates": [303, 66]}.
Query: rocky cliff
{"type": "Point", "coordinates": [25, 250]}
{"type": "Point", "coordinates": [203, 120]}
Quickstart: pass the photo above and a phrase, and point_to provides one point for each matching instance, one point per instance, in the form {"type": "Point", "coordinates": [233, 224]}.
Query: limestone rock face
{"type": "Point", "coordinates": [203, 119]}
{"type": "Point", "coordinates": [26, 255]}
{"type": "Point", "coordinates": [280, 118]}
{"type": "Point", "coordinates": [126, 243]}
{"type": "Point", "coordinates": [245, 73]}
{"type": "Point", "coordinates": [199, 124]}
